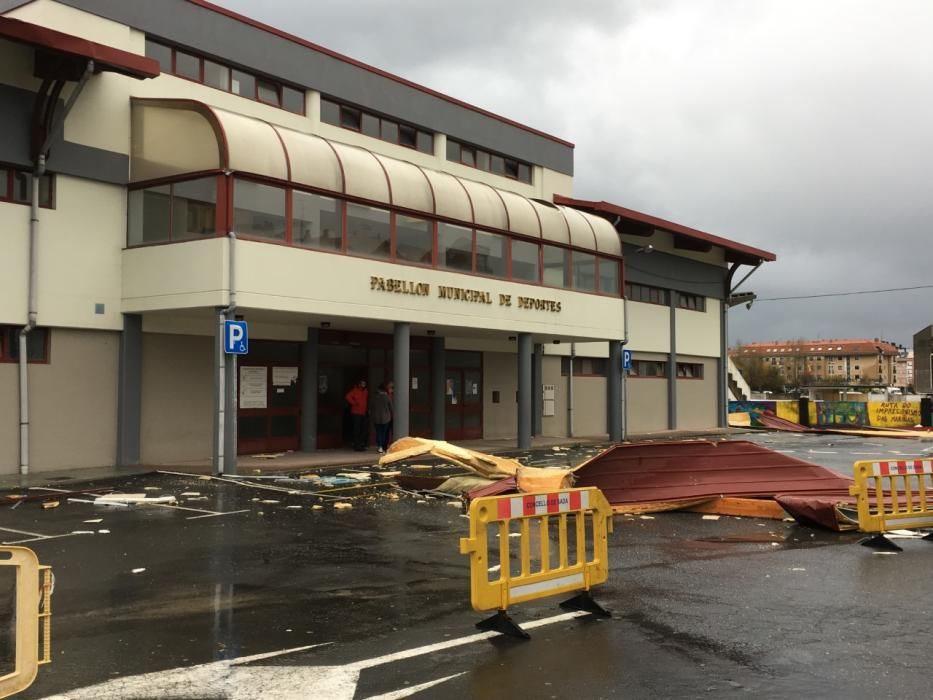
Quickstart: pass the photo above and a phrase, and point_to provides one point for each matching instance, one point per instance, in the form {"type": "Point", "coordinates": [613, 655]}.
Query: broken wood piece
{"type": "Point", "coordinates": [742, 507]}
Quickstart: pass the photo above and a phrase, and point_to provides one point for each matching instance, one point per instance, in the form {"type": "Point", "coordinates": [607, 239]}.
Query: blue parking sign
{"type": "Point", "coordinates": [236, 338]}
{"type": "Point", "coordinates": [626, 359]}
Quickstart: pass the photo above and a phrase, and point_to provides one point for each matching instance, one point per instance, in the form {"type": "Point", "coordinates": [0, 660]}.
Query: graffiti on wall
{"type": "Point", "coordinates": [753, 409]}
{"type": "Point", "coordinates": [894, 414]}
{"type": "Point", "coordinates": [841, 413]}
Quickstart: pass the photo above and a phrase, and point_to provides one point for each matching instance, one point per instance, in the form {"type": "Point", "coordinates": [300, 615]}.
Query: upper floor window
{"type": "Point", "coordinates": [16, 186]}
{"type": "Point", "coordinates": [177, 211]}
{"type": "Point", "coordinates": [486, 160]}
{"type": "Point", "coordinates": [190, 65]}
{"type": "Point", "coordinates": [647, 294]}
{"type": "Point", "coordinates": [693, 302]}
{"type": "Point", "coordinates": [376, 126]}
{"type": "Point", "coordinates": [37, 344]}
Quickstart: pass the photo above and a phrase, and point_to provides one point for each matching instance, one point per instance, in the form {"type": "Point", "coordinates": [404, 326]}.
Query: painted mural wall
{"type": "Point", "coordinates": [879, 414]}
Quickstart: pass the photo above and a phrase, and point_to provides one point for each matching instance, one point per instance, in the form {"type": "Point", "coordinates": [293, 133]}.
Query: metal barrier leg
{"type": "Point", "coordinates": [584, 601]}
{"type": "Point", "coordinates": [881, 543]}
{"type": "Point", "coordinates": [503, 624]}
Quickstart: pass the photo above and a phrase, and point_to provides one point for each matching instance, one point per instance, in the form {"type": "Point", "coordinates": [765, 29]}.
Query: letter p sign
{"type": "Point", "coordinates": [236, 338]}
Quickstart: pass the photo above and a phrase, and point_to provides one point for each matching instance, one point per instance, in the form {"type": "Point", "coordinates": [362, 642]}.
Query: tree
{"type": "Point", "coordinates": [760, 375]}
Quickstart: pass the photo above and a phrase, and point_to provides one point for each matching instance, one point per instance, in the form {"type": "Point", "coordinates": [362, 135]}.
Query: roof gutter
{"type": "Point", "coordinates": [32, 311]}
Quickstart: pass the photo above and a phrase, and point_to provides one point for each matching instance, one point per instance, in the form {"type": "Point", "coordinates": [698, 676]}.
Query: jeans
{"type": "Point", "coordinates": [382, 435]}
{"type": "Point", "coordinates": [360, 431]}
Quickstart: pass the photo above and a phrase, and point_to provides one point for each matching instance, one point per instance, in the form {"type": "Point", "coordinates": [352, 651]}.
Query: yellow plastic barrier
{"type": "Point", "coordinates": [903, 497]}
{"type": "Point", "coordinates": [33, 615]}
{"type": "Point", "coordinates": [548, 543]}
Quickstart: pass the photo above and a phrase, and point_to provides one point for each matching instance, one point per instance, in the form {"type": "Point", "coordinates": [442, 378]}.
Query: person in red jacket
{"type": "Point", "coordinates": [358, 400]}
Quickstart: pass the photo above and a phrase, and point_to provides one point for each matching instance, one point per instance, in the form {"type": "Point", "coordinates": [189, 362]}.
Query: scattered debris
{"type": "Point", "coordinates": [292, 507]}
{"type": "Point", "coordinates": [355, 476]}
{"type": "Point", "coordinates": [342, 505]}
{"type": "Point", "coordinates": [153, 488]}
{"type": "Point", "coordinates": [269, 501]}
{"type": "Point", "coordinates": [133, 499]}
{"type": "Point", "coordinates": [103, 532]}
{"type": "Point", "coordinates": [191, 493]}
{"type": "Point", "coordinates": [711, 517]}
{"type": "Point", "coordinates": [48, 505]}
{"type": "Point", "coordinates": [456, 504]}
{"type": "Point", "coordinates": [489, 466]}
{"type": "Point", "coordinates": [317, 506]}
{"type": "Point", "coordinates": [95, 520]}
{"type": "Point", "coordinates": [82, 532]}
{"type": "Point", "coordinates": [494, 569]}
{"type": "Point", "coordinates": [139, 571]}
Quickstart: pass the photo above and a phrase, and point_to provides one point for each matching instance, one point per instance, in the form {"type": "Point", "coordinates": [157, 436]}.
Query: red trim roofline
{"type": "Point", "coordinates": [106, 58]}
{"type": "Point", "coordinates": [372, 69]}
{"type": "Point", "coordinates": [631, 214]}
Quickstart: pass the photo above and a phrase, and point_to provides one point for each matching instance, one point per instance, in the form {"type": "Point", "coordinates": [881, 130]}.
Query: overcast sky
{"type": "Point", "coordinates": [801, 127]}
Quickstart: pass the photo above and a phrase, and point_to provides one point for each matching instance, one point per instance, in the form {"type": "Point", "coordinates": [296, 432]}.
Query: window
{"type": "Point", "coordinates": [316, 221]}
{"type": "Point", "coordinates": [584, 366]}
{"type": "Point", "coordinates": [37, 344]}
{"type": "Point", "coordinates": [525, 261]}
{"type": "Point", "coordinates": [608, 276]}
{"type": "Point", "coordinates": [367, 231]}
{"type": "Point", "coordinates": [259, 210]}
{"type": "Point", "coordinates": [649, 295]}
{"type": "Point", "coordinates": [215, 74]}
{"type": "Point", "coordinates": [648, 368]}
{"type": "Point", "coordinates": [16, 186]}
{"type": "Point", "coordinates": [454, 247]}
{"type": "Point", "coordinates": [584, 271]}
{"type": "Point", "coordinates": [376, 126]}
{"type": "Point", "coordinates": [693, 302]}
{"type": "Point", "coordinates": [414, 239]}
{"type": "Point", "coordinates": [486, 160]}
{"type": "Point", "coordinates": [490, 254]}
{"type": "Point", "coordinates": [689, 370]}
{"type": "Point", "coordinates": [556, 266]}
{"type": "Point", "coordinates": [175, 212]}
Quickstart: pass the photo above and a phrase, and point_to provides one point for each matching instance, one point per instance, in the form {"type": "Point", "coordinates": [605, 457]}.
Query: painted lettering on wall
{"type": "Point", "coordinates": [539, 304]}
{"type": "Point", "coordinates": [894, 414]}
{"type": "Point", "coordinates": [475, 296]}
{"type": "Point", "coordinates": [461, 294]}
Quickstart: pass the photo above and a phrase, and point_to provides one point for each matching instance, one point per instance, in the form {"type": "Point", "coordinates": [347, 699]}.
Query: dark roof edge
{"type": "Point", "coordinates": [372, 69]}
{"type": "Point", "coordinates": [609, 208]}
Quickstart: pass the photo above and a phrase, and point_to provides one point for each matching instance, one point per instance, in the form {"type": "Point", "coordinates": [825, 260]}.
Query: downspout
{"type": "Point", "coordinates": [32, 311]}
{"type": "Point", "coordinates": [223, 314]}
{"type": "Point", "coordinates": [624, 343]}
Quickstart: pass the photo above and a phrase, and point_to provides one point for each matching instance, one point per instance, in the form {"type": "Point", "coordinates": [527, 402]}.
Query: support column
{"type": "Point", "coordinates": [309, 390]}
{"type": "Point", "coordinates": [524, 391]}
{"type": "Point", "coordinates": [225, 405]}
{"type": "Point", "coordinates": [129, 390]}
{"type": "Point", "coordinates": [614, 390]}
{"type": "Point", "coordinates": [402, 379]}
{"type": "Point", "coordinates": [438, 387]}
{"type": "Point", "coordinates": [230, 415]}
{"type": "Point", "coordinates": [537, 392]}
{"type": "Point", "coordinates": [672, 367]}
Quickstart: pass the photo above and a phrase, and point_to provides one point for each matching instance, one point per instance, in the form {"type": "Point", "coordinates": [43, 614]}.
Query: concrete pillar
{"type": "Point", "coordinates": [438, 387]}
{"type": "Point", "coordinates": [524, 390]}
{"type": "Point", "coordinates": [309, 390]}
{"type": "Point", "coordinates": [230, 415]}
{"type": "Point", "coordinates": [129, 390]}
{"type": "Point", "coordinates": [402, 379]}
{"type": "Point", "coordinates": [722, 367]}
{"type": "Point", "coordinates": [225, 413]}
{"type": "Point", "coordinates": [614, 390]}
{"type": "Point", "coordinates": [672, 367]}
{"type": "Point", "coordinates": [537, 393]}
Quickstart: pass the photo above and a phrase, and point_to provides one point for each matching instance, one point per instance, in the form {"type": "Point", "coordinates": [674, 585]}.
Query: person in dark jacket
{"type": "Point", "coordinates": [382, 417]}
{"type": "Point", "coordinates": [358, 400]}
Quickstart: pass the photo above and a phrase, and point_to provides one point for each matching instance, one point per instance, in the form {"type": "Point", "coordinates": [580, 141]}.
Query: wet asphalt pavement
{"type": "Point", "coordinates": [702, 608]}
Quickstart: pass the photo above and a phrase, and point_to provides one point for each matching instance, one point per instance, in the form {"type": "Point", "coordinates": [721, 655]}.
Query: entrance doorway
{"type": "Point", "coordinates": [268, 398]}
{"type": "Point", "coordinates": [463, 396]}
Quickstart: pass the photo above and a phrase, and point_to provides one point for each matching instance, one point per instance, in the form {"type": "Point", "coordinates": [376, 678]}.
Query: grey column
{"type": "Point", "coordinates": [225, 408]}
{"type": "Point", "coordinates": [672, 367]}
{"type": "Point", "coordinates": [614, 390]}
{"type": "Point", "coordinates": [438, 386]}
{"type": "Point", "coordinates": [524, 391]}
{"type": "Point", "coordinates": [230, 415]}
{"type": "Point", "coordinates": [309, 390]}
{"type": "Point", "coordinates": [402, 379]}
{"type": "Point", "coordinates": [537, 395]}
{"type": "Point", "coordinates": [722, 395]}
{"type": "Point", "coordinates": [129, 390]}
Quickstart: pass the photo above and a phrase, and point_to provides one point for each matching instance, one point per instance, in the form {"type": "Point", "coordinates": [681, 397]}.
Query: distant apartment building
{"type": "Point", "coordinates": [904, 369]}
{"type": "Point", "coordinates": [859, 361]}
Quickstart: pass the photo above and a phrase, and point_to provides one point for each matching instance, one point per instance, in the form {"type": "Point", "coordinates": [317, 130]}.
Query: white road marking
{"type": "Point", "coordinates": [868, 454]}
{"type": "Point", "coordinates": [22, 532]}
{"type": "Point", "coordinates": [214, 515]}
{"type": "Point", "coordinates": [232, 680]}
{"type": "Point", "coordinates": [823, 452]}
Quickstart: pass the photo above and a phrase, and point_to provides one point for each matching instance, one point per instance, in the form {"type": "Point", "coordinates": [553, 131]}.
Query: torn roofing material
{"type": "Point", "coordinates": [678, 471]}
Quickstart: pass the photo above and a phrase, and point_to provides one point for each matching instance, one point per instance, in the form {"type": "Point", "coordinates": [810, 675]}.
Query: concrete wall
{"type": "Point", "coordinates": [177, 398]}
{"type": "Point", "coordinates": [73, 408]}
{"type": "Point", "coordinates": [697, 398]}
{"type": "Point", "coordinates": [646, 400]}
{"type": "Point", "coordinates": [500, 373]}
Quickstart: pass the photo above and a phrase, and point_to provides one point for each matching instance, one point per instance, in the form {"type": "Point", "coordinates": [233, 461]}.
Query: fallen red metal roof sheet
{"type": "Point", "coordinates": [769, 420]}
{"type": "Point", "coordinates": [672, 471]}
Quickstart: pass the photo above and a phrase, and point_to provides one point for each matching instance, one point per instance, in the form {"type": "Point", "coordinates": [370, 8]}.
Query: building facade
{"type": "Point", "coordinates": [865, 362]}
{"type": "Point", "coordinates": [195, 166]}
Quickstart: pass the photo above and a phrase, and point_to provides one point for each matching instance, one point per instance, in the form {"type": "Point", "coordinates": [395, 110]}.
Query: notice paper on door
{"type": "Point", "coordinates": [253, 390]}
{"type": "Point", "coordinates": [284, 376]}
